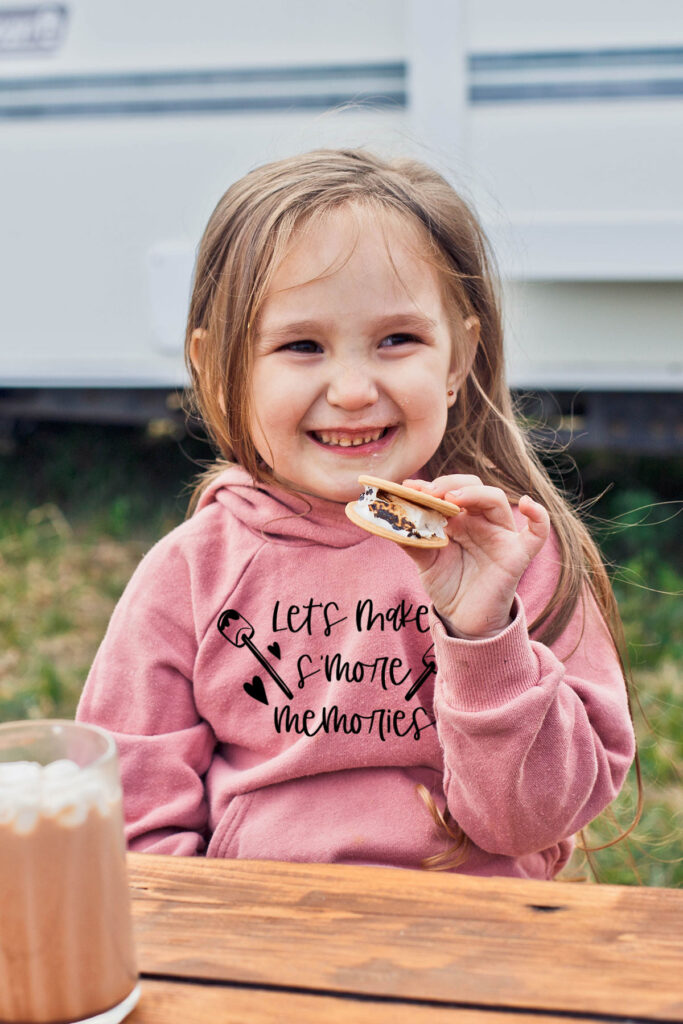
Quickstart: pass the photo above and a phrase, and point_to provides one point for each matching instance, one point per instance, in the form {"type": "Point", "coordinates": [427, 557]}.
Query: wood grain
{"type": "Point", "coordinates": [169, 1002]}
{"type": "Point", "coordinates": [452, 939]}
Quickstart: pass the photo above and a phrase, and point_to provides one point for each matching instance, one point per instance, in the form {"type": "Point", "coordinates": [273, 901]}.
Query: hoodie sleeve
{"type": "Point", "coordinates": [536, 741]}
{"type": "Point", "coordinates": [140, 689]}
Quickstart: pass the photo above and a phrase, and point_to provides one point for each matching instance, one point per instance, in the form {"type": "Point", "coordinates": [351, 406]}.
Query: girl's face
{"type": "Point", "coordinates": [353, 359]}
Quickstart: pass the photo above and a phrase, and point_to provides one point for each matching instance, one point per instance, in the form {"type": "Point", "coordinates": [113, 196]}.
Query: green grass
{"type": "Point", "coordinates": [110, 481]}
{"type": "Point", "coordinates": [79, 506]}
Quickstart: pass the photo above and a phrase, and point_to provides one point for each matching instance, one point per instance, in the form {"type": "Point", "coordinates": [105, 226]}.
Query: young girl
{"type": "Point", "coordinates": [259, 671]}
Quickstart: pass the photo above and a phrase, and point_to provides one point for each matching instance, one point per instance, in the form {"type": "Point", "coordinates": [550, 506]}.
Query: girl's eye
{"type": "Point", "coordinates": [307, 347]}
{"type": "Point", "coordinates": [395, 340]}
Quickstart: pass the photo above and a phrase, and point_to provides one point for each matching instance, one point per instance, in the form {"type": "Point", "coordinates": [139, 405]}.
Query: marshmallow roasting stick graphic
{"type": "Point", "coordinates": [238, 632]}
{"type": "Point", "coordinates": [430, 666]}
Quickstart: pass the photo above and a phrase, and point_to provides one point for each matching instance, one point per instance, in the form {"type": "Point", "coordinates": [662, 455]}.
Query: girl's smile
{"type": "Point", "coordinates": [360, 441]}
{"type": "Point", "coordinates": [354, 357]}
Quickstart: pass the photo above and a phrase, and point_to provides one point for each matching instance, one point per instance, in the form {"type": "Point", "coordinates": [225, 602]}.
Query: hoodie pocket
{"type": "Point", "coordinates": [227, 827]}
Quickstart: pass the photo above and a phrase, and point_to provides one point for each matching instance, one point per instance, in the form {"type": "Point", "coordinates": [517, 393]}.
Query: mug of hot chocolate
{"type": "Point", "coordinates": [66, 945]}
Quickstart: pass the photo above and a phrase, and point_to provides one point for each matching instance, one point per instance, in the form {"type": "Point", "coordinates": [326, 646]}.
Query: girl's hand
{"type": "Point", "coordinates": [472, 582]}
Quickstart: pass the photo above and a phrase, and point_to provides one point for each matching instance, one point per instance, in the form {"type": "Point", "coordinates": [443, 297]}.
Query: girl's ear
{"type": "Point", "coordinates": [464, 351]}
{"type": "Point", "coordinates": [196, 340]}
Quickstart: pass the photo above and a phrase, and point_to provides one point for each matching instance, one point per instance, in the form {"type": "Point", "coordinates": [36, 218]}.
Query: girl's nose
{"type": "Point", "coordinates": [351, 388]}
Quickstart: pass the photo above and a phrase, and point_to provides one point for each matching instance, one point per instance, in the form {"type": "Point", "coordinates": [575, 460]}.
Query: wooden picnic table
{"type": "Point", "coordinates": [258, 941]}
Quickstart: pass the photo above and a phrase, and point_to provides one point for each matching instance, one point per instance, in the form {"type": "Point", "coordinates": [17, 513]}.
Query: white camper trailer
{"type": "Point", "coordinates": [123, 123]}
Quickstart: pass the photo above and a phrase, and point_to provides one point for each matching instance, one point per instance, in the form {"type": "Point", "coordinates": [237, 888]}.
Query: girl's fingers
{"type": "Point", "coordinates": [477, 499]}
{"type": "Point", "coordinates": [442, 484]}
{"type": "Point", "coordinates": [490, 502]}
{"type": "Point", "coordinates": [537, 529]}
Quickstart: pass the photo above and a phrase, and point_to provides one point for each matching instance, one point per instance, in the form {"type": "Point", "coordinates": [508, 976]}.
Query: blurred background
{"type": "Point", "coordinates": [121, 125]}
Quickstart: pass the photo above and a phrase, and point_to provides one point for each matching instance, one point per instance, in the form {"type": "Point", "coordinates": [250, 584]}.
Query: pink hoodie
{"type": "Point", "coordinates": [270, 677]}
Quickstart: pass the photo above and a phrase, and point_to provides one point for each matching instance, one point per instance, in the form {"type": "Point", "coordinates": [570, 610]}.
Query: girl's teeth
{"type": "Point", "coordinates": [349, 442]}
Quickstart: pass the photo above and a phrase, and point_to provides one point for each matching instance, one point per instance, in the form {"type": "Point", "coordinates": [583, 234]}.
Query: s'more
{"type": "Point", "coordinates": [400, 513]}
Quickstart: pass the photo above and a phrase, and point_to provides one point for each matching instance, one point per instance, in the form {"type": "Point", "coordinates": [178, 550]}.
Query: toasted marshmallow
{"type": "Point", "coordinates": [407, 515]}
{"type": "Point", "coordinates": [399, 515]}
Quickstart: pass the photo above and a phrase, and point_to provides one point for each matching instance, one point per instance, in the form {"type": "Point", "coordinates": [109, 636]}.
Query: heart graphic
{"type": "Point", "coordinates": [274, 649]}
{"type": "Point", "coordinates": [257, 690]}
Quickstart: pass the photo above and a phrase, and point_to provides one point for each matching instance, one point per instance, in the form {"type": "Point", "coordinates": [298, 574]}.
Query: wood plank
{"type": "Point", "coordinates": [496, 942]}
{"type": "Point", "coordinates": [172, 1002]}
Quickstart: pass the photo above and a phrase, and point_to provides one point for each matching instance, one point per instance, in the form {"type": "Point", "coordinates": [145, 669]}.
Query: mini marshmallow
{"type": "Point", "coordinates": [58, 770]}
{"type": "Point", "coordinates": [59, 790]}
{"type": "Point", "coordinates": [73, 814]}
{"type": "Point", "coordinates": [7, 808]}
{"type": "Point", "coordinates": [26, 819]}
{"type": "Point", "coordinates": [18, 773]}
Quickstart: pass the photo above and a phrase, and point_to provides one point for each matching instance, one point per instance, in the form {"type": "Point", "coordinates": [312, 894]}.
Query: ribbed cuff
{"type": "Point", "coordinates": [478, 675]}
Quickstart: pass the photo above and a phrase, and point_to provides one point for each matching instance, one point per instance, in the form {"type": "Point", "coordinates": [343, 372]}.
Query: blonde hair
{"type": "Point", "coordinates": [247, 237]}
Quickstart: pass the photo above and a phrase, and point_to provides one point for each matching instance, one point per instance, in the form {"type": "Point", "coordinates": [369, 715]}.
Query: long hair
{"type": "Point", "coordinates": [247, 237]}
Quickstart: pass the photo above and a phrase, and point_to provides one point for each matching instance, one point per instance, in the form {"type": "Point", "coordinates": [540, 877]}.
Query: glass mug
{"type": "Point", "coordinates": [66, 944]}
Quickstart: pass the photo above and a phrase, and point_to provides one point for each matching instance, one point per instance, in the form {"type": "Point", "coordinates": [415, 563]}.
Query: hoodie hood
{"type": "Point", "coordinates": [281, 516]}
